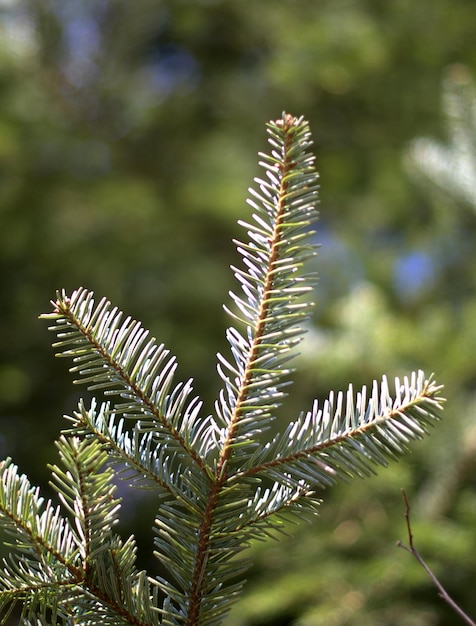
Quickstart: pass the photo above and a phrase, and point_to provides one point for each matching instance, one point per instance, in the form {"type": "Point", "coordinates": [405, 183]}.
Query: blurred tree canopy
{"type": "Point", "coordinates": [128, 138]}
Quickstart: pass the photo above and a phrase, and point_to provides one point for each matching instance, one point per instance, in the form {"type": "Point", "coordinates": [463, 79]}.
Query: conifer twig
{"type": "Point", "coordinates": [219, 479]}
{"type": "Point", "coordinates": [412, 550]}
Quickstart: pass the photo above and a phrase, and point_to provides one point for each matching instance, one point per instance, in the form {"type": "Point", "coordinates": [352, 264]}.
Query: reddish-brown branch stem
{"type": "Point", "coordinates": [198, 580]}
{"type": "Point", "coordinates": [412, 550]}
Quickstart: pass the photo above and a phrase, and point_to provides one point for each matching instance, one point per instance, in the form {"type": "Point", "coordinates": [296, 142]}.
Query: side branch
{"type": "Point", "coordinates": [63, 309]}
{"type": "Point", "coordinates": [412, 550]}
{"type": "Point", "coordinates": [328, 453]}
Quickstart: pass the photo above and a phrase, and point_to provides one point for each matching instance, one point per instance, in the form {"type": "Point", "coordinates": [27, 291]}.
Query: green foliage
{"type": "Point", "coordinates": [221, 480]}
{"type": "Point", "coordinates": [123, 173]}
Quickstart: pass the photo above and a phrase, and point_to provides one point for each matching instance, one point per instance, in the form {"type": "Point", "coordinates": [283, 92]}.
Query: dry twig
{"type": "Point", "coordinates": [441, 590]}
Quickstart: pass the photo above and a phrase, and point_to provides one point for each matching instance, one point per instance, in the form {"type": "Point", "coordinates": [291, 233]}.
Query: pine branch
{"type": "Point", "coordinates": [272, 286]}
{"type": "Point", "coordinates": [451, 166]}
{"type": "Point", "coordinates": [115, 356]}
{"type": "Point", "coordinates": [142, 459]}
{"type": "Point", "coordinates": [46, 544]}
{"type": "Point", "coordinates": [61, 566]}
{"type": "Point", "coordinates": [219, 486]}
{"type": "Point", "coordinates": [346, 440]}
{"type": "Point", "coordinates": [269, 309]}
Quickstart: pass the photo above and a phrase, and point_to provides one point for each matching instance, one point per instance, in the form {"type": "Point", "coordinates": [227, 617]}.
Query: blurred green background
{"type": "Point", "coordinates": [128, 138]}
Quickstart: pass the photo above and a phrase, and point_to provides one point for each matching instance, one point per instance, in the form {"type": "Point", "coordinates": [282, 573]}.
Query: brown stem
{"type": "Point", "coordinates": [205, 531]}
{"type": "Point", "coordinates": [412, 550]}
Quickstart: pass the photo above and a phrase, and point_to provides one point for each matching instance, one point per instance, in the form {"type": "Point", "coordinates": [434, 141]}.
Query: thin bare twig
{"type": "Point", "coordinates": [412, 550]}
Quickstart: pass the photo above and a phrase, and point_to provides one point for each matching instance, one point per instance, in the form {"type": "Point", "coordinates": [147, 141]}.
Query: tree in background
{"type": "Point", "coordinates": [125, 148]}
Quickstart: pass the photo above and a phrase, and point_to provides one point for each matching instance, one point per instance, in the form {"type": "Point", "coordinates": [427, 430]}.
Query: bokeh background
{"type": "Point", "coordinates": [128, 138]}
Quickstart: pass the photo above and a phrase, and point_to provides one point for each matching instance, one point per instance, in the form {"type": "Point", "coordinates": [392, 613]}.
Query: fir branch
{"type": "Point", "coordinates": [86, 491]}
{"type": "Point", "coordinates": [140, 458]}
{"type": "Point", "coordinates": [48, 545]}
{"type": "Point", "coordinates": [270, 309]}
{"type": "Point", "coordinates": [451, 166]}
{"type": "Point", "coordinates": [218, 486]}
{"type": "Point", "coordinates": [272, 285]}
{"type": "Point", "coordinates": [346, 440]}
{"type": "Point", "coordinates": [115, 356]}
{"type": "Point", "coordinates": [61, 567]}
